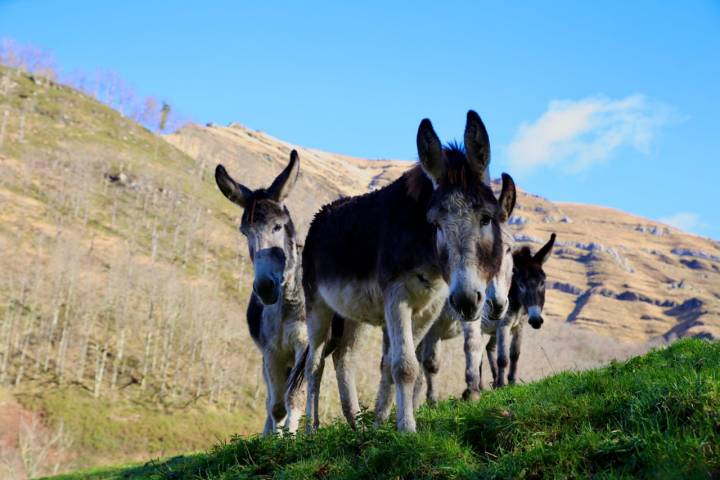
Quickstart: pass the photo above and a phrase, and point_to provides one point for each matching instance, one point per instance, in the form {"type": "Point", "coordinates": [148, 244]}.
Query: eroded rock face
{"type": "Point", "coordinates": [517, 220]}
{"type": "Point", "coordinates": [689, 252]}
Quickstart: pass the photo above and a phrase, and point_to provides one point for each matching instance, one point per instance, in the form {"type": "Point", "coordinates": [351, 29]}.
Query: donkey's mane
{"type": "Point", "coordinates": [523, 255]}
{"type": "Point", "coordinates": [457, 174]}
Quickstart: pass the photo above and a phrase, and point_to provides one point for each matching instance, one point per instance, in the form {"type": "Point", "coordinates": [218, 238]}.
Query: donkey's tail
{"type": "Point", "coordinates": [297, 374]}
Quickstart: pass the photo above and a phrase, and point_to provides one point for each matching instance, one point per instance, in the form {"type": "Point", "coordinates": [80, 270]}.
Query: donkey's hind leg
{"type": "Point", "coordinates": [293, 396]}
{"type": "Point", "coordinates": [514, 353]}
{"type": "Point", "coordinates": [473, 359]}
{"type": "Point", "coordinates": [344, 360]}
{"type": "Point", "coordinates": [502, 334]}
{"type": "Point", "coordinates": [490, 348]}
{"type": "Point", "coordinates": [318, 323]}
{"type": "Point", "coordinates": [429, 358]}
{"type": "Point", "coordinates": [384, 399]}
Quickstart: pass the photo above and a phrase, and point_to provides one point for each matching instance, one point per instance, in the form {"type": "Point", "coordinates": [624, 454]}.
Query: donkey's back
{"type": "Point", "coordinates": [356, 245]}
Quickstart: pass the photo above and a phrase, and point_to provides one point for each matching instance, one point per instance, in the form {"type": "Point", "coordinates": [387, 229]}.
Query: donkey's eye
{"type": "Point", "coordinates": [485, 220]}
{"type": "Point", "coordinates": [277, 227]}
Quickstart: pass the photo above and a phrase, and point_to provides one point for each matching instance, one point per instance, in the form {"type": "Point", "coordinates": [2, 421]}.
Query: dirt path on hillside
{"type": "Point", "coordinates": [28, 447]}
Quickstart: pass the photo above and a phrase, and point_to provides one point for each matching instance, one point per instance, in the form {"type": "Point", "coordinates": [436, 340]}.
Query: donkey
{"type": "Point", "coordinates": [393, 256]}
{"type": "Point", "coordinates": [276, 312]}
{"type": "Point", "coordinates": [527, 299]}
{"type": "Point", "coordinates": [448, 326]}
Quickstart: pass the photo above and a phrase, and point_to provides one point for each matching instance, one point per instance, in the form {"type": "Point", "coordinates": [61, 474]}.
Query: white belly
{"type": "Point", "coordinates": [364, 301]}
{"type": "Point", "coordinates": [357, 301]}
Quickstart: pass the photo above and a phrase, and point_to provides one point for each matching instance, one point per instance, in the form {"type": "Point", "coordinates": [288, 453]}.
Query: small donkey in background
{"type": "Point", "coordinates": [276, 312]}
{"type": "Point", "coordinates": [527, 299]}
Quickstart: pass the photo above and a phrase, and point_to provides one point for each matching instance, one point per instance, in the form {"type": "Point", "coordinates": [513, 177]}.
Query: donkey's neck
{"type": "Point", "coordinates": [293, 298]}
{"type": "Point", "coordinates": [515, 306]}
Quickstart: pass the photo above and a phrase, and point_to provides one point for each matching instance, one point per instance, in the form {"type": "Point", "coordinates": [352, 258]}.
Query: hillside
{"type": "Point", "coordinates": [609, 266]}
{"type": "Point", "coordinates": [122, 272]}
{"type": "Point", "coordinates": [655, 416]}
{"type": "Point", "coordinates": [125, 281]}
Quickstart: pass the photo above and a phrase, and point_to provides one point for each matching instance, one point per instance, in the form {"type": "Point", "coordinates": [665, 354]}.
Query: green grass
{"type": "Point", "coordinates": [655, 416]}
{"type": "Point", "coordinates": [106, 429]}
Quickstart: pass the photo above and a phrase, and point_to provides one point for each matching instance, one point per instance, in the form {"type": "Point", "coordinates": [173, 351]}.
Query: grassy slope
{"type": "Point", "coordinates": [655, 416]}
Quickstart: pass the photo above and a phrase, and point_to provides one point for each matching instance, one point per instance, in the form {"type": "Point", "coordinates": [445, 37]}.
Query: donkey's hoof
{"type": "Point", "coordinates": [470, 395]}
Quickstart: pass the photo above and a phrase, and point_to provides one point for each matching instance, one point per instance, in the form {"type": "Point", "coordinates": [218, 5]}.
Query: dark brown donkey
{"type": "Point", "coordinates": [276, 311]}
{"type": "Point", "coordinates": [394, 256]}
{"type": "Point", "coordinates": [527, 299]}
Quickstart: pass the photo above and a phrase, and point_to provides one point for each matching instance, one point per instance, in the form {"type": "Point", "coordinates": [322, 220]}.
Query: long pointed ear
{"type": "Point", "coordinates": [544, 253]}
{"type": "Point", "coordinates": [235, 192]}
{"type": "Point", "coordinates": [430, 152]}
{"type": "Point", "coordinates": [477, 146]}
{"type": "Point", "coordinates": [284, 183]}
{"type": "Point", "coordinates": [508, 196]}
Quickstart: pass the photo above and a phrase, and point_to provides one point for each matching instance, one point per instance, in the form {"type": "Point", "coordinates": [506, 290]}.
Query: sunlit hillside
{"type": "Point", "coordinates": [125, 281]}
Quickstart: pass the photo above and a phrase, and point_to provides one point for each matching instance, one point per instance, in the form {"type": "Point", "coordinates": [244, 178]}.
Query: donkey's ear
{"type": "Point", "coordinates": [284, 183]}
{"type": "Point", "coordinates": [234, 191]}
{"type": "Point", "coordinates": [477, 146]}
{"type": "Point", "coordinates": [544, 253]}
{"type": "Point", "coordinates": [508, 197]}
{"type": "Point", "coordinates": [430, 152]}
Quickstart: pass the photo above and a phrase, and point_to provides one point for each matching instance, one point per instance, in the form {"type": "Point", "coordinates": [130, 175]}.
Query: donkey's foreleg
{"type": "Point", "coordinates": [345, 371]}
{"type": "Point", "coordinates": [490, 348]}
{"type": "Point", "coordinates": [503, 337]}
{"type": "Point", "coordinates": [268, 428]}
{"type": "Point", "coordinates": [276, 368]}
{"type": "Point", "coordinates": [514, 354]}
{"type": "Point", "coordinates": [319, 318]}
{"type": "Point", "coordinates": [383, 402]}
{"type": "Point", "coordinates": [472, 346]}
{"type": "Point", "coordinates": [404, 365]}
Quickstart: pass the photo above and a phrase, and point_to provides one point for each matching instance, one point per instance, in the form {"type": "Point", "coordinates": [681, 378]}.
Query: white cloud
{"type": "Point", "coordinates": [577, 134]}
{"type": "Point", "coordinates": [687, 221]}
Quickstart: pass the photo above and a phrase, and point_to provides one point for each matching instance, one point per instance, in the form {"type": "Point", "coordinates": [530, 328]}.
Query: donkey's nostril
{"type": "Point", "coordinates": [463, 304]}
{"type": "Point", "coordinates": [265, 289]}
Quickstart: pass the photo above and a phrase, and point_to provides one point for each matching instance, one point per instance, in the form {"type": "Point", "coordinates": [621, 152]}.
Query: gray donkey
{"type": "Point", "coordinates": [449, 326]}
{"type": "Point", "coordinates": [394, 256]}
{"type": "Point", "coordinates": [276, 312]}
{"type": "Point", "coordinates": [527, 299]}
{"type": "Point", "coordinates": [524, 283]}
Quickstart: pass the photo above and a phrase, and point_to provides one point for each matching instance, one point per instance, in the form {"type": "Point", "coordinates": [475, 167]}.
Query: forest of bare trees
{"type": "Point", "coordinates": [117, 282]}
{"type": "Point", "coordinates": [106, 86]}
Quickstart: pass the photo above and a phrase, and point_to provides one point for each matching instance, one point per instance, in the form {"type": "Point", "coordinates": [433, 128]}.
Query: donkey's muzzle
{"type": "Point", "coordinates": [496, 310]}
{"type": "Point", "coordinates": [535, 316]}
{"type": "Point", "coordinates": [267, 289]}
{"type": "Point", "coordinates": [536, 322]}
{"type": "Point", "coordinates": [466, 305]}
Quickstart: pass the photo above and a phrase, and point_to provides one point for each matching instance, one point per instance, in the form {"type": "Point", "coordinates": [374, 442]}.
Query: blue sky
{"type": "Point", "coordinates": [610, 103]}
